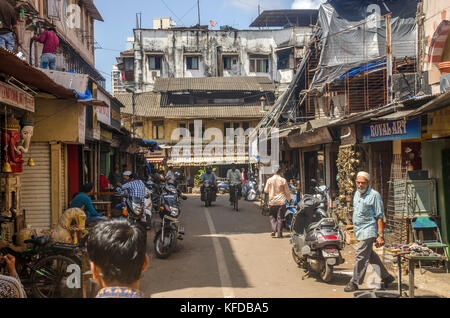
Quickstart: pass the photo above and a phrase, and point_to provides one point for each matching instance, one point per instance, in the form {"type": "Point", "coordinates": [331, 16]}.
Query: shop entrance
{"type": "Point", "coordinates": [314, 169]}
{"type": "Point", "coordinates": [381, 168]}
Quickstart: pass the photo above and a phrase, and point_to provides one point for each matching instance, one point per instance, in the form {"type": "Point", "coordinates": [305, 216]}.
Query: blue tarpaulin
{"type": "Point", "coordinates": [86, 96]}
{"type": "Point", "coordinates": [363, 69]}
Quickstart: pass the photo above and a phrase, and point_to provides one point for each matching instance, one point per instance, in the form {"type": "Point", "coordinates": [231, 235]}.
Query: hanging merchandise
{"type": "Point", "coordinates": [347, 164]}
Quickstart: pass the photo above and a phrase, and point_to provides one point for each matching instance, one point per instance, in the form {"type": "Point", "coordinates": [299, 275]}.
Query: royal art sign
{"type": "Point", "coordinates": [392, 130]}
{"type": "Point", "coordinates": [15, 97]}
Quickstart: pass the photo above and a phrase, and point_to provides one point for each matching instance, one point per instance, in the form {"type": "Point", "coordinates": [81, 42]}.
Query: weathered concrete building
{"type": "Point", "coordinates": [199, 52]}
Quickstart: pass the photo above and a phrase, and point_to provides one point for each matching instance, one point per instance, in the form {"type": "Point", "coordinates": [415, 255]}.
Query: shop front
{"type": "Point", "coordinates": [317, 153]}
{"type": "Point", "coordinates": [17, 109]}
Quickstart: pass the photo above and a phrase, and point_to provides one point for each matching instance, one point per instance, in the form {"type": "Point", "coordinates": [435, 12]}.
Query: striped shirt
{"type": "Point", "coordinates": [134, 188]}
{"type": "Point", "coordinates": [11, 287]}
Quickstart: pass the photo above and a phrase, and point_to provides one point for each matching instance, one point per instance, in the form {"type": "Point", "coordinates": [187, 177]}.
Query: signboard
{"type": "Point", "coordinates": [392, 130]}
{"type": "Point", "coordinates": [15, 97]}
{"type": "Point", "coordinates": [82, 125]}
{"type": "Point", "coordinates": [439, 123]}
{"type": "Point", "coordinates": [103, 113]}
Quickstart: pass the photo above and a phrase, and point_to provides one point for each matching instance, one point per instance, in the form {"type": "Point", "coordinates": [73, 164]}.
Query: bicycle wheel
{"type": "Point", "coordinates": [56, 276]}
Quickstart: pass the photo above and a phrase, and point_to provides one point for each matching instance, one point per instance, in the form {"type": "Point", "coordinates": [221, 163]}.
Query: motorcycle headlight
{"type": "Point", "coordinates": [137, 210]}
{"type": "Point", "coordinates": [174, 212]}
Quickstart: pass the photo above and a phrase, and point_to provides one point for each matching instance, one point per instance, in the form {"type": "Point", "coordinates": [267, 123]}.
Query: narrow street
{"type": "Point", "coordinates": [231, 254]}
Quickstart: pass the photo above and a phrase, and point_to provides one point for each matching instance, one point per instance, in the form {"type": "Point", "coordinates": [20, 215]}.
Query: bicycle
{"type": "Point", "coordinates": [45, 268]}
{"type": "Point", "coordinates": [235, 190]}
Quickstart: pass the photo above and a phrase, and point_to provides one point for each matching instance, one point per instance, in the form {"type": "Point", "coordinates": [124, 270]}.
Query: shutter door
{"type": "Point", "coordinates": [36, 187]}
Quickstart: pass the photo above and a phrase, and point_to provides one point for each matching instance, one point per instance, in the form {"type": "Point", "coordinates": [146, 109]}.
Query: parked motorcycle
{"type": "Point", "coordinates": [208, 194]}
{"type": "Point", "coordinates": [291, 207]}
{"type": "Point", "coordinates": [170, 230]}
{"type": "Point", "coordinates": [250, 190]}
{"type": "Point", "coordinates": [223, 187]}
{"type": "Point", "coordinates": [316, 238]}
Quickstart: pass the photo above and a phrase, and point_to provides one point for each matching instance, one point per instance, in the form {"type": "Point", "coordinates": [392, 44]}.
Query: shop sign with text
{"type": "Point", "coordinates": [15, 97]}
{"type": "Point", "coordinates": [392, 130]}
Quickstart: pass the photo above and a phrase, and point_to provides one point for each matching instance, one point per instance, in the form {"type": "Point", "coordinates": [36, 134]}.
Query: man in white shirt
{"type": "Point", "coordinates": [170, 177]}
{"type": "Point", "coordinates": [278, 191]}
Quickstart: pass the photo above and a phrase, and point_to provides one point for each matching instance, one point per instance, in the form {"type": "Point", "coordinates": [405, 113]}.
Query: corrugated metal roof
{"type": "Point", "coordinates": [280, 18]}
{"type": "Point", "coordinates": [148, 105]}
{"type": "Point", "coordinates": [249, 83]}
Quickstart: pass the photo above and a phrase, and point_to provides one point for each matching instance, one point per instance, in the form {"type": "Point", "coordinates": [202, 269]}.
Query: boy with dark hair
{"type": "Point", "coordinates": [117, 251]}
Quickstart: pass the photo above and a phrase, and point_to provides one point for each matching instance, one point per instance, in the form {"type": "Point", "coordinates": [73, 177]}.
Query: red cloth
{"type": "Point", "coordinates": [50, 41]}
{"type": "Point", "coordinates": [104, 184]}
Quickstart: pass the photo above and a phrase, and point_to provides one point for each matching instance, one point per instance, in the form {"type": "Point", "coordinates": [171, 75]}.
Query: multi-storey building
{"type": "Point", "coordinates": [167, 51]}
{"type": "Point", "coordinates": [74, 23]}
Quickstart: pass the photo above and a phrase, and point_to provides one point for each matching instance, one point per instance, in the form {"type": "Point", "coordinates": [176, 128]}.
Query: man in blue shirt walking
{"type": "Point", "coordinates": [368, 213]}
{"type": "Point", "coordinates": [84, 202]}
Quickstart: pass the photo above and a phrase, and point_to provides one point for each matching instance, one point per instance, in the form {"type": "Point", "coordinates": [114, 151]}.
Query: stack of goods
{"type": "Point", "coordinates": [413, 249]}
{"type": "Point", "coordinates": [347, 165]}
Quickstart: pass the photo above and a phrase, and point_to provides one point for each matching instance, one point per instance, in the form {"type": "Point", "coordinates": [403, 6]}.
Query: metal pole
{"type": "Point", "coordinates": [389, 58]}
{"type": "Point", "coordinates": [132, 121]}
{"type": "Point", "coordinates": [198, 7]}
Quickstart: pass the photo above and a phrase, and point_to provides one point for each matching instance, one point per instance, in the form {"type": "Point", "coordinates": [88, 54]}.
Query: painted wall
{"type": "Point", "coordinates": [56, 120]}
{"type": "Point", "coordinates": [435, 12]}
{"type": "Point", "coordinates": [432, 161]}
{"type": "Point", "coordinates": [174, 44]}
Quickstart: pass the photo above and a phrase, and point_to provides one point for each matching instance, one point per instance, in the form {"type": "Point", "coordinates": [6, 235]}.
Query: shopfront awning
{"type": "Point", "coordinates": [155, 160]}
{"type": "Point", "coordinates": [200, 161]}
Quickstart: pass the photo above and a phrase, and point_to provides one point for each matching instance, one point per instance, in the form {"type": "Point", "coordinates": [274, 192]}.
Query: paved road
{"type": "Point", "coordinates": [231, 254]}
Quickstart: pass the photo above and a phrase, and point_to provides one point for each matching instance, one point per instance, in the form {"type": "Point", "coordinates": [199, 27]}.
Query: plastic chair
{"type": "Point", "coordinates": [426, 230]}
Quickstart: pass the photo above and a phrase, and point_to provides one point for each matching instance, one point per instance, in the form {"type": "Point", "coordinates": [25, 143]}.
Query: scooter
{"type": "Point", "coordinates": [250, 190]}
{"type": "Point", "coordinates": [316, 238]}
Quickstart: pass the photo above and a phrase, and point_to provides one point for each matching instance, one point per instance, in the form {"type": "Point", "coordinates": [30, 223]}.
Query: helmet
{"type": "Point", "coordinates": [178, 175]}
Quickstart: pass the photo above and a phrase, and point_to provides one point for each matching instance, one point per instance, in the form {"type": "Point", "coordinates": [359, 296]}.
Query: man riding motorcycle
{"type": "Point", "coordinates": [210, 176]}
{"type": "Point", "coordinates": [234, 177]}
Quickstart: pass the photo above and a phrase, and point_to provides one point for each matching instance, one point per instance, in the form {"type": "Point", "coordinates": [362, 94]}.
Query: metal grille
{"type": "Point", "coordinates": [396, 213]}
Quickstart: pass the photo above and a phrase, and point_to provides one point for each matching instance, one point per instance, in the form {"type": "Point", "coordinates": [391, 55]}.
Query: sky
{"type": "Point", "coordinates": [120, 18]}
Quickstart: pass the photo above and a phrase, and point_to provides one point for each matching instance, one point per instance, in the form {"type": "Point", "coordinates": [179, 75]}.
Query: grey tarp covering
{"type": "Point", "coordinates": [354, 34]}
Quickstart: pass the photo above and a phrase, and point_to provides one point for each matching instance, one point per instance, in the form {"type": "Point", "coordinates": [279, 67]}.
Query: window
{"type": "Point", "coordinates": [259, 65]}
{"type": "Point", "coordinates": [192, 62]}
{"type": "Point", "coordinates": [284, 59]}
{"type": "Point", "coordinates": [229, 61]}
{"type": "Point", "coordinates": [245, 125]}
{"type": "Point", "coordinates": [54, 9]}
{"type": "Point", "coordinates": [129, 64]}
{"type": "Point", "coordinates": [158, 130]}
{"type": "Point", "coordinates": [154, 62]}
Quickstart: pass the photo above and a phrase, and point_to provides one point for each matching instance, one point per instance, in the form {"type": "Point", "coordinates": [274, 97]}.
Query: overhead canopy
{"type": "Point", "coordinates": [31, 76]}
{"type": "Point", "coordinates": [281, 18]}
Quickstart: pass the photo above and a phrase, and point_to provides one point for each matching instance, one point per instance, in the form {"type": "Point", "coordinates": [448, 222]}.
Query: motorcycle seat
{"type": "Point", "coordinates": [312, 226]}
{"type": "Point", "coordinates": [38, 240]}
